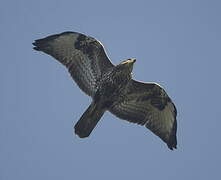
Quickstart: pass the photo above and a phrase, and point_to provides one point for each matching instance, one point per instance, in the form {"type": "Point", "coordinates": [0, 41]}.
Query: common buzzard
{"type": "Point", "coordinates": [111, 86]}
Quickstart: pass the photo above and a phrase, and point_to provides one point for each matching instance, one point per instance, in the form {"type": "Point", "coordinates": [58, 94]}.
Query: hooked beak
{"type": "Point", "coordinates": [129, 61]}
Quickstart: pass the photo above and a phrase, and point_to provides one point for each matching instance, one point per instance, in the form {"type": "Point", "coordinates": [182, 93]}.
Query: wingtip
{"type": "Point", "coordinates": [41, 44]}
{"type": "Point", "coordinates": [172, 144]}
{"type": "Point", "coordinates": [172, 147]}
{"type": "Point", "coordinates": [35, 46]}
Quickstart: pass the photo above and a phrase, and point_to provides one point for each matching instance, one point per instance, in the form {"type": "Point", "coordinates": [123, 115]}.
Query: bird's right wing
{"type": "Point", "coordinates": [148, 104]}
{"type": "Point", "coordinates": [84, 57]}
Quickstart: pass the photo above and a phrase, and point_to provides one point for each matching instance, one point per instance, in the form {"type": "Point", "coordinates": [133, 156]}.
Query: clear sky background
{"type": "Point", "coordinates": [176, 43]}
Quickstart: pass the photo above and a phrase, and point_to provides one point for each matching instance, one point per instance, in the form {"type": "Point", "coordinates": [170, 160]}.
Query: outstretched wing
{"type": "Point", "coordinates": [84, 57]}
{"type": "Point", "coordinates": [148, 104]}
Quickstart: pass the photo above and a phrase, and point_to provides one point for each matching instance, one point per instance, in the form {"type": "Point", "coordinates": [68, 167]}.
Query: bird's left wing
{"type": "Point", "coordinates": [83, 55]}
{"type": "Point", "coordinates": [148, 104]}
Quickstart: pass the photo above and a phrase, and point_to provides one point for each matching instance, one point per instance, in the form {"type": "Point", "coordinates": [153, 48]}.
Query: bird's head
{"type": "Point", "coordinates": [127, 65]}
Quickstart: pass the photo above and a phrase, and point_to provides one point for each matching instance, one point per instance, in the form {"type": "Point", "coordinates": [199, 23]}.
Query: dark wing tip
{"type": "Point", "coordinates": [172, 142]}
{"type": "Point", "coordinates": [36, 47]}
{"type": "Point", "coordinates": [42, 44]}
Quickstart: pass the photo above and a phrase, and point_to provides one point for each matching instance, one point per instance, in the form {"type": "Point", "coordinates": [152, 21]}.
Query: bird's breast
{"type": "Point", "coordinates": [111, 88]}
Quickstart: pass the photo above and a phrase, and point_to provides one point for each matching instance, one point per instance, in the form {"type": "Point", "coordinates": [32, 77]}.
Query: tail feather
{"type": "Point", "coordinates": [88, 121]}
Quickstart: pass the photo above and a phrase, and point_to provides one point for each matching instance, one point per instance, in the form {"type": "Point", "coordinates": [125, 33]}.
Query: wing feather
{"type": "Point", "coordinates": [148, 104]}
{"type": "Point", "coordinates": [84, 57]}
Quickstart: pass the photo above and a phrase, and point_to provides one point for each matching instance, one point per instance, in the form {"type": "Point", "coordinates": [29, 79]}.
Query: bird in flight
{"type": "Point", "coordinates": [111, 87]}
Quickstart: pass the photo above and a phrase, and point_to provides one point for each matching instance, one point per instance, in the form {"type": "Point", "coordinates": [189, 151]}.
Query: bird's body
{"type": "Point", "coordinates": [112, 84]}
{"type": "Point", "coordinates": [111, 87]}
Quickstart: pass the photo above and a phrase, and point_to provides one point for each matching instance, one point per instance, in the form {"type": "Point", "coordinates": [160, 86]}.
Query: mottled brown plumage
{"type": "Point", "coordinates": [111, 87]}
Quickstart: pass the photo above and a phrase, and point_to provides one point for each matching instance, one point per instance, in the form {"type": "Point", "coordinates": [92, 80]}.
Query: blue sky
{"type": "Point", "coordinates": [176, 43]}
